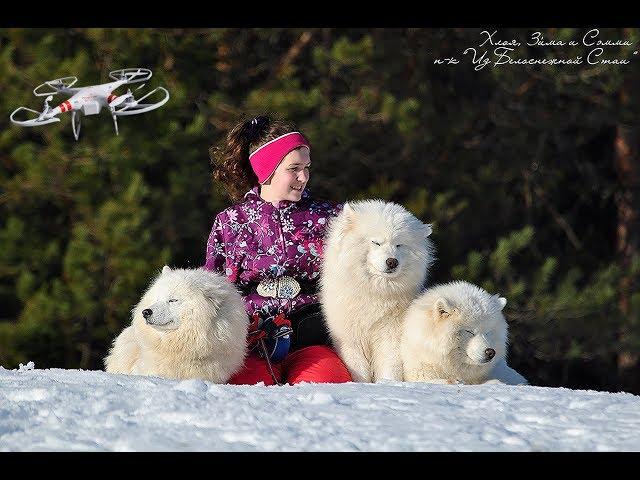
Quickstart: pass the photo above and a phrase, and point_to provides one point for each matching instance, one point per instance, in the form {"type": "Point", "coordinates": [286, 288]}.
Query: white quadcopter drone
{"type": "Point", "coordinates": [90, 100]}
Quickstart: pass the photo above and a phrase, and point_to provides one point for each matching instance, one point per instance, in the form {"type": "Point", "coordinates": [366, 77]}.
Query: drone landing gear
{"type": "Point", "coordinates": [115, 119]}
{"type": "Point", "coordinates": [75, 125]}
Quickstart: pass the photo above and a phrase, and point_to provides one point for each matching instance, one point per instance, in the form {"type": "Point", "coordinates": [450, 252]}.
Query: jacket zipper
{"type": "Point", "coordinates": [284, 247]}
{"type": "Point", "coordinates": [284, 250]}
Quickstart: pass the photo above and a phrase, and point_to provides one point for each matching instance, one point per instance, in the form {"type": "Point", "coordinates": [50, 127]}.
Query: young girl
{"type": "Point", "coordinates": [269, 244]}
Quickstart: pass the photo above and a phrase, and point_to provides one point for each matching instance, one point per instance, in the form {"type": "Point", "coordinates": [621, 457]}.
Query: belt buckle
{"type": "Point", "coordinates": [281, 287]}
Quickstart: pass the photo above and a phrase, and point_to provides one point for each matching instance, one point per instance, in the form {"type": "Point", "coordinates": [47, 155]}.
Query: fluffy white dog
{"type": "Point", "coordinates": [457, 333]}
{"type": "Point", "coordinates": [376, 258]}
{"type": "Point", "coordinates": [190, 323]}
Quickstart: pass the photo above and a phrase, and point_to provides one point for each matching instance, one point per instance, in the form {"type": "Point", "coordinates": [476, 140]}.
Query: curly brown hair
{"type": "Point", "coordinates": [230, 160]}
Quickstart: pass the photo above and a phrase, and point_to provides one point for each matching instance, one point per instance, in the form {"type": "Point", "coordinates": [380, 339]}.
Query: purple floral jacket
{"type": "Point", "coordinates": [254, 240]}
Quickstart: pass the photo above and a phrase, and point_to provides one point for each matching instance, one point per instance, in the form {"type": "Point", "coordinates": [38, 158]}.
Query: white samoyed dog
{"type": "Point", "coordinates": [190, 323]}
{"type": "Point", "coordinates": [456, 332]}
{"type": "Point", "coordinates": [376, 257]}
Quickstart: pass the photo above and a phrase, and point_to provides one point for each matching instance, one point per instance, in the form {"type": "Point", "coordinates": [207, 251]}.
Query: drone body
{"type": "Point", "coordinates": [91, 99]}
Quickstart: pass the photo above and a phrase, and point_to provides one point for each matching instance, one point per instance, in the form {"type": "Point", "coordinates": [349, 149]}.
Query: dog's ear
{"type": "Point", "coordinates": [349, 219]}
{"type": "Point", "coordinates": [502, 301]}
{"type": "Point", "coordinates": [165, 269]}
{"type": "Point", "coordinates": [428, 229]}
{"type": "Point", "coordinates": [349, 213]}
{"type": "Point", "coordinates": [442, 308]}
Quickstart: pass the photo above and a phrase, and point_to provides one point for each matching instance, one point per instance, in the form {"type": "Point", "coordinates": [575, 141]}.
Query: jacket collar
{"type": "Point", "coordinates": [254, 194]}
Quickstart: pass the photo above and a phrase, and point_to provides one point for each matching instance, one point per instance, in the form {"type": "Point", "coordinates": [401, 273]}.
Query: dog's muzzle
{"type": "Point", "coordinates": [489, 353]}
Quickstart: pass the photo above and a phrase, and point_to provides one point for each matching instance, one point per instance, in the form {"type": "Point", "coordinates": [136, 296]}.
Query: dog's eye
{"type": "Point", "coordinates": [470, 331]}
{"type": "Point", "coordinates": [374, 242]}
{"type": "Point", "coordinates": [399, 245]}
{"type": "Point", "coordinates": [173, 300]}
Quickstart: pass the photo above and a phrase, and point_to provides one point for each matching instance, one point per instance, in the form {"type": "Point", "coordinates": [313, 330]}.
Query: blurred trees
{"type": "Point", "coordinates": [529, 174]}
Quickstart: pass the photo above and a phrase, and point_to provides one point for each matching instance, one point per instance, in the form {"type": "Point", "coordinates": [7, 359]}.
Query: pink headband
{"type": "Point", "coordinates": [266, 159]}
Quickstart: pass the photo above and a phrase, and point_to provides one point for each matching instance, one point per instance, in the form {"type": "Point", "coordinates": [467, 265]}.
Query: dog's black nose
{"type": "Point", "coordinates": [392, 263]}
{"type": "Point", "coordinates": [147, 312]}
{"type": "Point", "coordinates": [489, 353]}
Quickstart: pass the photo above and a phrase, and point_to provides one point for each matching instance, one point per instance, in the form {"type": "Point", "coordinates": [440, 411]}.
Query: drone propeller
{"type": "Point", "coordinates": [59, 84]}
{"type": "Point", "coordinates": [41, 119]}
{"type": "Point", "coordinates": [131, 106]}
{"type": "Point", "coordinates": [131, 75]}
{"type": "Point", "coordinates": [32, 122]}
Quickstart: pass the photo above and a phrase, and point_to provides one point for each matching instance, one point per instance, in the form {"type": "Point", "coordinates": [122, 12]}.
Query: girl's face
{"type": "Point", "coordinates": [290, 178]}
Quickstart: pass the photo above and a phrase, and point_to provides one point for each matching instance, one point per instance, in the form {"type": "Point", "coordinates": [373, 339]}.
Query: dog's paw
{"type": "Point", "coordinates": [494, 381]}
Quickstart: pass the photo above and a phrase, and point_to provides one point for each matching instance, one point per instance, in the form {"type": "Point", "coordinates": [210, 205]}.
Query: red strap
{"type": "Point", "coordinates": [255, 334]}
{"type": "Point", "coordinates": [255, 321]}
{"type": "Point", "coordinates": [280, 320]}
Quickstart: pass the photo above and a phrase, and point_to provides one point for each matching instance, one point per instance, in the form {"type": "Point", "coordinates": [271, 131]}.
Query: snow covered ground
{"type": "Point", "coordinates": [76, 410]}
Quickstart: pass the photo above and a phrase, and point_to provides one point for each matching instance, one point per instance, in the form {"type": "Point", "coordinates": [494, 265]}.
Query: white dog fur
{"type": "Point", "coordinates": [195, 326]}
{"type": "Point", "coordinates": [363, 299]}
{"type": "Point", "coordinates": [456, 333]}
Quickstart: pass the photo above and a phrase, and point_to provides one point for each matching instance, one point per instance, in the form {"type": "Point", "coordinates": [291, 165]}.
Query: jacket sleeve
{"type": "Point", "coordinates": [216, 256]}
